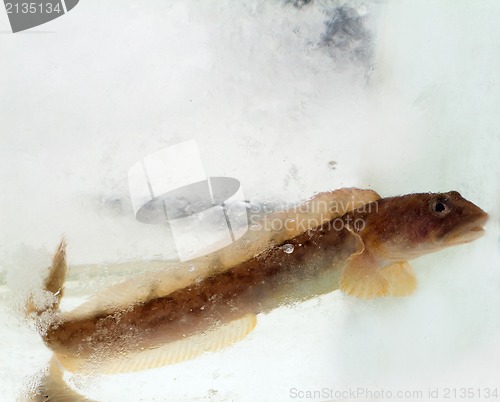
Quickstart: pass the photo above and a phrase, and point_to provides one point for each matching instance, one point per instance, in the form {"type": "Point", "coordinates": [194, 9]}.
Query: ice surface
{"type": "Point", "coordinates": [258, 86]}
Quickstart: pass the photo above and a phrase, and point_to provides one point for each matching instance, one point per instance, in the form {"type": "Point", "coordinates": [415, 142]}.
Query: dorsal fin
{"type": "Point", "coordinates": [274, 228]}
{"type": "Point", "coordinates": [143, 287]}
{"type": "Point", "coordinates": [278, 227]}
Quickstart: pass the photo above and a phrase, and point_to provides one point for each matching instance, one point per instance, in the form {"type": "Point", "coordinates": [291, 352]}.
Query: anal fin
{"type": "Point", "coordinates": [185, 349]}
{"type": "Point", "coordinates": [169, 353]}
{"type": "Point", "coordinates": [401, 278]}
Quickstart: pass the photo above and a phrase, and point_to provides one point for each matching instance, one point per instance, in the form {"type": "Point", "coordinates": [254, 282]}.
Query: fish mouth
{"type": "Point", "coordinates": [467, 232]}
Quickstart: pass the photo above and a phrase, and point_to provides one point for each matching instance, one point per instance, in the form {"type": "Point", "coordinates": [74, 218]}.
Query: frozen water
{"type": "Point", "coordinates": [271, 94]}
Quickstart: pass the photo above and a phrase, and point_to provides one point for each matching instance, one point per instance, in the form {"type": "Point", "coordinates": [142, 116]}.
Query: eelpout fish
{"type": "Point", "coordinates": [184, 309]}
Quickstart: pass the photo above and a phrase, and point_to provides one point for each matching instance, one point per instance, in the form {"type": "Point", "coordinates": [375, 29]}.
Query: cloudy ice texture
{"type": "Point", "coordinates": [291, 98]}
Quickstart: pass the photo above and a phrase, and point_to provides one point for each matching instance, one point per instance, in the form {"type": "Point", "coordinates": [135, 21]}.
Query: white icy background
{"type": "Point", "coordinates": [89, 94]}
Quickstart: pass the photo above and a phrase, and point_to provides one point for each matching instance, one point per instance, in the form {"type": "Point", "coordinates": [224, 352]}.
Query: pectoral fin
{"type": "Point", "coordinates": [363, 278]}
{"type": "Point", "coordinates": [401, 278]}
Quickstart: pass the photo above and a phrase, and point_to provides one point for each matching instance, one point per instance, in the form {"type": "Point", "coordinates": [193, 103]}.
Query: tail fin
{"type": "Point", "coordinates": [54, 284]}
{"type": "Point", "coordinates": [53, 388]}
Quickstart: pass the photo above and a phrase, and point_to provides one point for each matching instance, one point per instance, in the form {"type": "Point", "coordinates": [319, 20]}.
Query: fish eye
{"type": "Point", "coordinates": [440, 207]}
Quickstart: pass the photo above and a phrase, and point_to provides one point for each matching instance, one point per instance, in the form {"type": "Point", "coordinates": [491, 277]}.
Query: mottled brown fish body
{"type": "Point", "coordinates": [364, 253]}
{"type": "Point", "coordinates": [271, 279]}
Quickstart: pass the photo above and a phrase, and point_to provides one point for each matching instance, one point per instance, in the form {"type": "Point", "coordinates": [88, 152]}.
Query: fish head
{"type": "Point", "coordinates": [408, 226]}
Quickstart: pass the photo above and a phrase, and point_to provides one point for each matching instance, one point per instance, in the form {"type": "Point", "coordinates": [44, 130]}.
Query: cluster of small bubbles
{"type": "Point", "coordinates": [191, 268]}
{"type": "Point", "coordinates": [288, 248]}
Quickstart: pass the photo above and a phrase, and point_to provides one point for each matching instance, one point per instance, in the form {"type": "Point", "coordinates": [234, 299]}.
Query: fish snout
{"type": "Point", "coordinates": [472, 226]}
